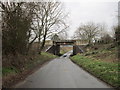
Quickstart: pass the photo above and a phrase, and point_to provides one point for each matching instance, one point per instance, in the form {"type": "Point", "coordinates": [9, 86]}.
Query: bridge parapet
{"type": "Point", "coordinates": [64, 42]}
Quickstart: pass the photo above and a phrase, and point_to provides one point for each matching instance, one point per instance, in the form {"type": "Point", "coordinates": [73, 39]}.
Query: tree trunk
{"type": "Point", "coordinates": [43, 43]}
{"type": "Point", "coordinates": [30, 44]}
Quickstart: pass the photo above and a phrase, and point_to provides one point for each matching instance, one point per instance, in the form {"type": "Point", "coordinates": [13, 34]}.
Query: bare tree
{"type": "Point", "coordinates": [63, 34]}
{"type": "Point", "coordinates": [106, 39]}
{"type": "Point", "coordinates": [88, 32]}
{"type": "Point", "coordinates": [49, 19]}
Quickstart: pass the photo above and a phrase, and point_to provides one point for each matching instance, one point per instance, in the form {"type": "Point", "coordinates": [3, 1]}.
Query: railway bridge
{"type": "Point", "coordinates": [55, 48]}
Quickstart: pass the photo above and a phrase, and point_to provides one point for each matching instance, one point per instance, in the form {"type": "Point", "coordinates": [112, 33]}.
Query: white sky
{"type": "Point", "coordinates": [82, 11]}
{"type": "Point", "coordinates": [98, 11]}
{"type": "Point", "coordinates": [90, 0]}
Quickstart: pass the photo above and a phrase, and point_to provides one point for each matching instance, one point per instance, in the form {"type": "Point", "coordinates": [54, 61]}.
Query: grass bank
{"type": "Point", "coordinates": [106, 71]}
{"type": "Point", "coordinates": [40, 59]}
{"type": "Point", "coordinates": [12, 74]}
{"type": "Point", "coordinates": [104, 54]}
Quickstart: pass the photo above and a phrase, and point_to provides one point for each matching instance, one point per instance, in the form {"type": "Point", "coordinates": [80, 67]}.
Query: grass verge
{"type": "Point", "coordinates": [40, 59]}
{"type": "Point", "coordinates": [12, 75]}
{"type": "Point", "coordinates": [9, 70]}
{"type": "Point", "coordinates": [106, 71]}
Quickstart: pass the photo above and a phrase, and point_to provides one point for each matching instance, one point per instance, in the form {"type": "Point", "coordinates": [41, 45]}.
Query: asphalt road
{"type": "Point", "coordinates": [61, 73]}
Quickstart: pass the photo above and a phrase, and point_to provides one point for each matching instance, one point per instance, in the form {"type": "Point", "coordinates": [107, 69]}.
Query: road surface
{"type": "Point", "coordinates": [61, 73]}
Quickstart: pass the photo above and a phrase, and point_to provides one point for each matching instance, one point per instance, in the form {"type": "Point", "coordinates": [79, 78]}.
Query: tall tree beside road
{"type": "Point", "coordinates": [50, 19]}
{"type": "Point", "coordinates": [16, 23]}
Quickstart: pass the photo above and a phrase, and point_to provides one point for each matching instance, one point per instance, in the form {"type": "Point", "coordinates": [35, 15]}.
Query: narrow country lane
{"type": "Point", "coordinates": [61, 73]}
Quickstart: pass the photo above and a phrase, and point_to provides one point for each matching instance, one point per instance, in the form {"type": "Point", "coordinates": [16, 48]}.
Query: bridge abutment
{"type": "Point", "coordinates": [57, 50]}
{"type": "Point", "coordinates": [54, 49]}
{"type": "Point", "coordinates": [74, 50]}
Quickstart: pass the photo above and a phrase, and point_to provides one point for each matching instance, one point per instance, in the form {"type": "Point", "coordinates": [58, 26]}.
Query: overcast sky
{"type": "Point", "coordinates": [98, 11]}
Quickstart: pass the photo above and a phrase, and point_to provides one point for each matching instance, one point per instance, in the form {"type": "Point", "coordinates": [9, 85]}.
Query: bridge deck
{"type": "Point", "coordinates": [64, 42]}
